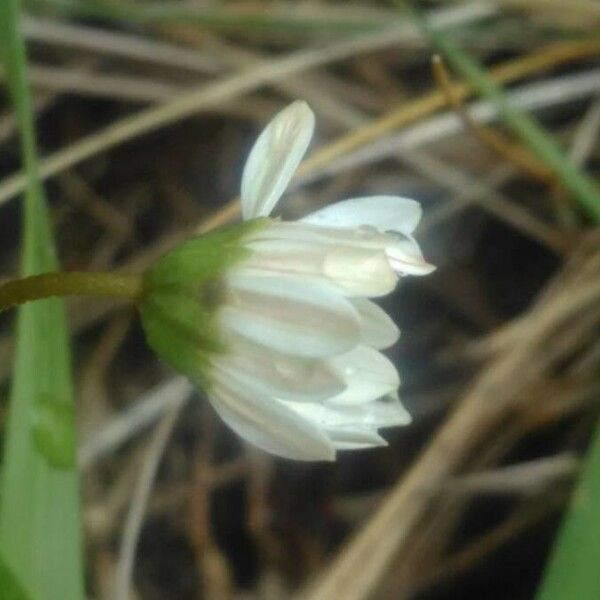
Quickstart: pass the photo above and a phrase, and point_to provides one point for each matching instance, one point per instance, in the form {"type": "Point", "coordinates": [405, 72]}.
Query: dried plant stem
{"type": "Point", "coordinates": [138, 416]}
{"type": "Point", "coordinates": [523, 518]}
{"type": "Point", "coordinates": [139, 502]}
{"type": "Point", "coordinates": [503, 145]}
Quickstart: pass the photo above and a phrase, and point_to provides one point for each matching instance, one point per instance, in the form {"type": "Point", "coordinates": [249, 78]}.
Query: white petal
{"type": "Point", "coordinates": [383, 412]}
{"type": "Point", "coordinates": [377, 328]}
{"type": "Point", "coordinates": [406, 258]}
{"type": "Point", "coordinates": [271, 373]}
{"type": "Point", "coordinates": [291, 314]}
{"type": "Point", "coordinates": [387, 412]}
{"type": "Point", "coordinates": [269, 424]}
{"type": "Point", "coordinates": [296, 231]}
{"type": "Point", "coordinates": [356, 439]}
{"type": "Point", "coordinates": [386, 213]}
{"type": "Point", "coordinates": [354, 270]}
{"type": "Point", "coordinates": [368, 375]}
{"type": "Point", "coordinates": [274, 158]}
{"type": "Point", "coordinates": [360, 272]}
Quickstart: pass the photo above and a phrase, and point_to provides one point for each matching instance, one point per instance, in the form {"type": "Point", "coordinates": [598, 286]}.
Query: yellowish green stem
{"type": "Point", "coordinates": [36, 287]}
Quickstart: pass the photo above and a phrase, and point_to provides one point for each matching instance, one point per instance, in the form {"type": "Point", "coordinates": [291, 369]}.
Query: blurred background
{"type": "Point", "coordinates": [145, 115]}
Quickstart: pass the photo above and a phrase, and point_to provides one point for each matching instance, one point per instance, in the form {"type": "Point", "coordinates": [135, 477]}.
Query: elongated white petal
{"type": "Point", "coordinates": [386, 213]}
{"type": "Point", "coordinates": [406, 258]}
{"type": "Point", "coordinates": [292, 315]}
{"type": "Point", "coordinates": [354, 270]}
{"type": "Point", "coordinates": [366, 237]}
{"type": "Point", "coordinates": [368, 375]}
{"type": "Point", "coordinates": [270, 424]}
{"type": "Point", "coordinates": [377, 328]}
{"type": "Point", "coordinates": [274, 158]}
{"type": "Point", "coordinates": [270, 373]}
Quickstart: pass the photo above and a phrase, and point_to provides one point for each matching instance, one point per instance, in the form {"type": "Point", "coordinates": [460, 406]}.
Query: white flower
{"type": "Point", "coordinates": [302, 375]}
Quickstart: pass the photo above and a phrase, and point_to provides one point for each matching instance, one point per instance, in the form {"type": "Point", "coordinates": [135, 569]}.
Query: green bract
{"type": "Point", "coordinates": [182, 292]}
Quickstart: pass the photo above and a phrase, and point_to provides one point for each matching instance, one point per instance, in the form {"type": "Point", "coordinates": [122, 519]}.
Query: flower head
{"type": "Point", "coordinates": [273, 318]}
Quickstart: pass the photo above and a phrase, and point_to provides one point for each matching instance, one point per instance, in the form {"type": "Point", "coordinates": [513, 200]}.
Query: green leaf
{"type": "Point", "coordinates": [572, 571]}
{"type": "Point", "coordinates": [10, 588]}
{"type": "Point", "coordinates": [40, 523]}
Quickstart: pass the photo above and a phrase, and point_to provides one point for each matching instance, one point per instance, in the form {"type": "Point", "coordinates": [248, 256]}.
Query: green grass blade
{"type": "Point", "coordinates": [40, 534]}
{"type": "Point", "coordinates": [572, 571]}
{"type": "Point", "coordinates": [582, 187]}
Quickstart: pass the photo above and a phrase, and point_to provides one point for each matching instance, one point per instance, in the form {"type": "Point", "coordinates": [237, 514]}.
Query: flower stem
{"type": "Point", "coordinates": [74, 283]}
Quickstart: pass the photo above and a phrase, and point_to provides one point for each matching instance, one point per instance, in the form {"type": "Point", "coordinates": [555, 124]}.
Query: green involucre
{"type": "Point", "coordinates": [182, 293]}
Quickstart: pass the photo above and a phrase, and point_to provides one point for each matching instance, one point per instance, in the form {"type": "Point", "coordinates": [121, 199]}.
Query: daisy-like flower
{"type": "Point", "coordinates": [273, 318]}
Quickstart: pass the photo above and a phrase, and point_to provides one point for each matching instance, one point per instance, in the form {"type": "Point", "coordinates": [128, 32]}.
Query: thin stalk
{"type": "Point", "coordinates": [74, 283]}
